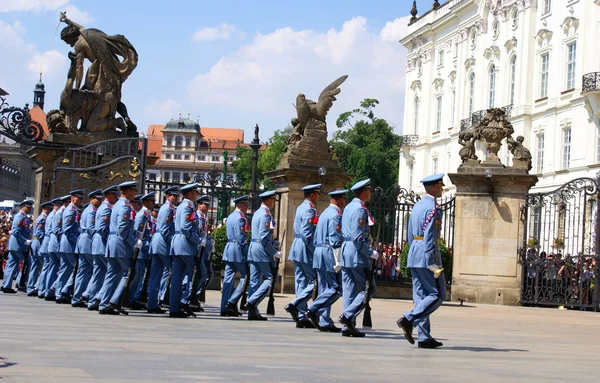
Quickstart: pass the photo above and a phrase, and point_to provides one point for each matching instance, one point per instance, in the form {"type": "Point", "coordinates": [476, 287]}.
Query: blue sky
{"type": "Point", "coordinates": [229, 63]}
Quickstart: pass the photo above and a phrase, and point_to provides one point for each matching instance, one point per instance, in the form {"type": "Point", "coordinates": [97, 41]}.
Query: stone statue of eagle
{"type": "Point", "coordinates": [307, 109]}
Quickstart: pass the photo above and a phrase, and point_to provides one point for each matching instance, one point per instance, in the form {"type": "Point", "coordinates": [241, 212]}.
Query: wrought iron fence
{"type": "Point", "coordinates": [591, 82]}
{"type": "Point", "coordinates": [410, 140]}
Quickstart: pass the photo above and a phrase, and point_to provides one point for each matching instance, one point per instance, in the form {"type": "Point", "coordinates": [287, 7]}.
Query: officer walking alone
{"type": "Point", "coordinates": [18, 244]}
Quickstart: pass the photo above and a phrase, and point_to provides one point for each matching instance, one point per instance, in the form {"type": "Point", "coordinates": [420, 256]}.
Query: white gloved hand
{"type": "Point", "coordinates": [375, 254]}
{"type": "Point", "coordinates": [337, 267]}
{"type": "Point", "coordinates": [278, 255]}
{"type": "Point", "coordinates": [139, 244]}
{"type": "Point", "coordinates": [28, 242]}
{"type": "Point", "coordinates": [203, 242]}
{"type": "Point", "coordinates": [437, 270]}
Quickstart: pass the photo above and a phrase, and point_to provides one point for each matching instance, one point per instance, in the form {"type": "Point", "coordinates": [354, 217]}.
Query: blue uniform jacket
{"type": "Point", "coordinates": [303, 247]}
{"type": "Point", "coordinates": [328, 236]}
{"type": "Point", "coordinates": [121, 239]}
{"type": "Point", "coordinates": [425, 221]}
{"type": "Point", "coordinates": [165, 229]}
{"type": "Point", "coordinates": [101, 228]}
{"type": "Point", "coordinates": [87, 224]}
{"type": "Point", "coordinates": [142, 219]}
{"type": "Point", "coordinates": [47, 231]}
{"type": "Point", "coordinates": [261, 247]}
{"type": "Point", "coordinates": [38, 233]}
{"type": "Point", "coordinates": [355, 229]}
{"type": "Point", "coordinates": [70, 229]}
{"type": "Point", "coordinates": [19, 232]}
{"type": "Point", "coordinates": [236, 249]}
{"type": "Point", "coordinates": [54, 244]}
{"type": "Point", "coordinates": [186, 241]}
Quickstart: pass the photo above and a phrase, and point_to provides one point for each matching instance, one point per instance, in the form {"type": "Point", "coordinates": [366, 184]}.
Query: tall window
{"type": "Point", "coordinates": [435, 166]}
{"type": "Point", "coordinates": [417, 104]}
{"type": "Point", "coordinates": [547, 6]}
{"type": "Point", "coordinates": [188, 142]}
{"type": "Point", "coordinates": [453, 106]}
{"type": "Point", "coordinates": [513, 78]}
{"type": "Point", "coordinates": [438, 113]}
{"type": "Point", "coordinates": [539, 161]}
{"type": "Point", "coordinates": [169, 141]}
{"type": "Point", "coordinates": [175, 177]}
{"type": "Point", "coordinates": [410, 176]}
{"type": "Point", "coordinates": [492, 90]}
{"type": "Point", "coordinates": [178, 141]}
{"type": "Point", "coordinates": [598, 140]}
{"type": "Point", "coordinates": [544, 75]}
{"type": "Point", "coordinates": [471, 93]}
{"type": "Point", "coordinates": [441, 57]}
{"type": "Point", "coordinates": [566, 148]}
{"type": "Point", "coordinates": [455, 50]}
{"type": "Point", "coordinates": [571, 57]}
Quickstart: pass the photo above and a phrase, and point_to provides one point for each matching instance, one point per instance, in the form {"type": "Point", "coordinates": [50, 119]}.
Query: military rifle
{"type": "Point", "coordinates": [367, 322]}
{"type": "Point", "coordinates": [196, 277]}
{"type": "Point", "coordinates": [22, 285]}
{"type": "Point", "coordinates": [130, 273]}
{"type": "Point", "coordinates": [271, 304]}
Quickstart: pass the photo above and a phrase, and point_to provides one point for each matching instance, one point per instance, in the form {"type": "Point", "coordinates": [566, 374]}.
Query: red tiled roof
{"type": "Point", "coordinates": [37, 114]}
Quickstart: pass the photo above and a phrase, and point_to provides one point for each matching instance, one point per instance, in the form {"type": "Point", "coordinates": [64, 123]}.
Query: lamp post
{"type": "Point", "coordinates": [255, 145]}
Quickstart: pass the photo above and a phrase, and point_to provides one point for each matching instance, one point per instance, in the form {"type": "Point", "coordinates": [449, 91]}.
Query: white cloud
{"type": "Point", "coordinates": [265, 75]}
{"type": "Point", "coordinates": [53, 63]}
{"type": "Point", "coordinates": [36, 6]}
{"type": "Point", "coordinates": [12, 35]}
{"type": "Point", "coordinates": [77, 15]}
{"type": "Point", "coordinates": [161, 111]}
{"type": "Point", "coordinates": [220, 32]}
{"type": "Point", "coordinates": [395, 30]}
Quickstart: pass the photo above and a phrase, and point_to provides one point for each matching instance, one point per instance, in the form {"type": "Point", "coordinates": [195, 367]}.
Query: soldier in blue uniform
{"type": "Point", "coordinates": [54, 250]}
{"type": "Point", "coordinates": [143, 230]}
{"type": "Point", "coordinates": [99, 241]}
{"type": "Point", "coordinates": [235, 257]}
{"type": "Point", "coordinates": [261, 254]}
{"type": "Point", "coordinates": [160, 249]}
{"type": "Point", "coordinates": [425, 263]}
{"type": "Point", "coordinates": [83, 249]}
{"type": "Point", "coordinates": [41, 286]}
{"type": "Point", "coordinates": [301, 252]}
{"type": "Point", "coordinates": [184, 247]}
{"type": "Point", "coordinates": [328, 244]}
{"type": "Point", "coordinates": [18, 245]}
{"type": "Point", "coordinates": [356, 251]}
{"type": "Point", "coordinates": [119, 249]}
{"type": "Point", "coordinates": [207, 247]}
{"type": "Point", "coordinates": [36, 258]}
{"type": "Point", "coordinates": [68, 241]}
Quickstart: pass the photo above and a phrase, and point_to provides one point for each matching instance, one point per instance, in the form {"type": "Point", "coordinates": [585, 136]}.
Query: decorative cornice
{"type": "Point", "coordinates": [416, 85]}
{"type": "Point", "coordinates": [438, 83]}
{"type": "Point", "coordinates": [570, 26]}
{"type": "Point", "coordinates": [470, 62]}
{"type": "Point", "coordinates": [543, 37]}
{"type": "Point", "coordinates": [510, 44]}
{"type": "Point", "coordinates": [452, 77]}
{"type": "Point", "coordinates": [492, 53]}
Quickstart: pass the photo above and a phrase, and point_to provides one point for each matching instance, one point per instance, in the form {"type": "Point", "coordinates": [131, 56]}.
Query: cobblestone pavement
{"type": "Point", "coordinates": [45, 342]}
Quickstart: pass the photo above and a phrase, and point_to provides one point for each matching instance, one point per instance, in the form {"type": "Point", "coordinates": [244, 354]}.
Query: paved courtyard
{"type": "Point", "coordinates": [45, 342]}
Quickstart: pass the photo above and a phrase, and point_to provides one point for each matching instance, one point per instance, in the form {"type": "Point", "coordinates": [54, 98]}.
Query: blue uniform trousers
{"type": "Point", "coordinates": [429, 294]}
{"type": "Point", "coordinates": [257, 291]}
{"type": "Point", "coordinates": [229, 295]}
{"type": "Point", "coordinates": [138, 281]}
{"type": "Point", "coordinates": [82, 279]}
{"type": "Point", "coordinates": [35, 265]}
{"type": "Point", "coordinates": [12, 267]}
{"type": "Point", "coordinates": [164, 279]}
{"type": "Point", "coordinates": [330, 290]}
{"type": "Point", "coordinates": [97, 279]}
{"type": "Point", "coordinates": [65, 272]}
{"type": "Point", "coordinates": [114, 283]}
{"type": "Point", "coordinates": [52, 274]}
{"type": "Point", "coordinates": [353, 286]}
{"type": "Point", "coordinates": [159, 264]}
{"type": "Point", "coordinates": [41, 283]}
{"type": "Point", "coordinates": [206, 275]}
{"type": "Point", "coordinates": [180, 293]}
{"type": "Point", "coordinates": [304, 276]}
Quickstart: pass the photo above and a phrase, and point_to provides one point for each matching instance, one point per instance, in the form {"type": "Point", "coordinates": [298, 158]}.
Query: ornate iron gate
{"type": "Point", "coordinates": [560, 246]}
{"type": "Point", "coordinates": [100, 165]}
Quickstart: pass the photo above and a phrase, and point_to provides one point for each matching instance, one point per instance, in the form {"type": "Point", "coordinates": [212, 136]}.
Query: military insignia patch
{"type": "Point", "coordinates": [361, 221]}
{"type": "Point", "coordinates": [268, 225]}
{"type": "Point", "coordinates": [70, 219]}
{"type": "Point", "coordinates": [106, 218]}
{"type": "Point", "coordinates": [338, 228]}
{"type": "Point", "coordinates": [125, 217]}
{"type": "Point", "coordinates": [167, 220]}
{"type": "Point", "coordinates": [59, 222]}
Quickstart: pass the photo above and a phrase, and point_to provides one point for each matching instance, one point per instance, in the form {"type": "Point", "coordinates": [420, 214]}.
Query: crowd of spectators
{"type": "Point", "coordinates": [387, 266]}
{"type": "Point", "coordinates": [5, 225]}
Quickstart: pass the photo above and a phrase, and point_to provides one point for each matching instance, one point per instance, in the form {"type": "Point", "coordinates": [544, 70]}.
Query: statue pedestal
{"type": "Point", "coordinates": [487, 233]}
{"type": "Point", "coordinates": [289, 181]}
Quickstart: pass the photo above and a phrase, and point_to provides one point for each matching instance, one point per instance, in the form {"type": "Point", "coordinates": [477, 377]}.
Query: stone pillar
{"type": "Point", "coordinates": [45, 158]}
{"type": "Point", "coordinates": [487, 233]}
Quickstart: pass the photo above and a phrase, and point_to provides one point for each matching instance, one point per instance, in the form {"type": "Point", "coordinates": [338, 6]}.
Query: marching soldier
{"type": "Point", "coordinates": [36, 258]}
{"type": "Point", "coordinates": [160, 249]}
{"type": "Point", "coordinates": [99, 241]}
{"type": "Point", "coordinates": [260, 255]}
{"type": "Point", "coordinates": [68, 241]}
{"type": "Point", "coordinates": [235, 257]}
{"type": "Point", "coordinates": [143, 230]}
{"type": "Point", "coordinates": [83, 248]}
{"type": "Point", "coordinates": [18, 244]}
{"type": "Point", "coordinates": [356, 251]}
{"type": "Point", "coordinates": [207, 247]}
{"type": "Point", "coordinates": [328, 243]}
{"type": "Point", "coordinates": [54, 250]}
{"type": "Point", "coordinates": [184, 246]}
{"type": "Point", "coordinates": [41, 286]}
{"type": "Point", "coordinates": [136, 203]}
{"type": "Point", "coordinates": [301, 253]}
{"type": "Point", "coordinates": [425, 263]}
{"type": "Point", "coordinates": [119, 249]}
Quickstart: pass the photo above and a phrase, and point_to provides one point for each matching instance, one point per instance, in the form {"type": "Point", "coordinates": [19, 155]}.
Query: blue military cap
{"type": "Point", "coordinates": [243, 199]}
{"type": "Point", "coordinates": [171, 190]}
{"type": "Point", "coordinates": [267, 194]}
{"type": "Point", "coordinates": [128, 185]}
{"type": "Point", "coordinates": [361, 185]}
{"type": "Point", "coordinates": [111, 189]}
{"type": "Point", "coordinates": [65, 198]}
{"type": "Point", "coordinates": [338, 193]}
{"type": "Point", "coordinates": [205, 199]}
{"type": "Point", "coordinates": [311, 188]}
{"type": "Point", "coordinates": [156, 208]}
{"type": "Point", "coordinates": [149, 197]}
{"type": "Point", "coordinates": [26, 202]}
{"type": "Point", "coordinates": [433, 179]}
{"type": "Point", "coordinates": [56, 201]}
{"type": "Point", "coordinates": [77, 193]}
{"type": "Point", "coordinates": [138, 198]}
{"type": "Point", "coordinates": [47, 203]}
{"type": "Point", "coordinates": [96, 194]}
{"type": "Point", "coordinates": [188, 187]}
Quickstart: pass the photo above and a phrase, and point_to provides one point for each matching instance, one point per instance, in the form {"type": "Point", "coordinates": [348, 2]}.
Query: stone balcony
{"type": "Point", "coordinates": [409, 140]}
{"type": "Point", "coordinates": [477, 117]}
{"type": "Point", "coordinates": [590, 89]}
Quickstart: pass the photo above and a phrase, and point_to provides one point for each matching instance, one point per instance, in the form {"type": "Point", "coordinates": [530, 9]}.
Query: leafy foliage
{"type": "Point", "coordinates": [446, 261]}
{"type": "Point", "coordinates": [243, 166]}
{"type": "Point", "coordinates": [220, 240]}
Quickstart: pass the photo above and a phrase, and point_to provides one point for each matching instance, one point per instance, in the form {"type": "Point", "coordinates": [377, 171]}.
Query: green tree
{"type": "Point", "coordinates": [243, 166]}
{"type": "Point", "coordinates": [269, 158]}
{"type": "Point", "coordinates": [369, 148]}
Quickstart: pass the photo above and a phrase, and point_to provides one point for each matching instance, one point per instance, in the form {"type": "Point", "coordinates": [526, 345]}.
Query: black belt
{"type": "Point", "coordinates": [112, 233]}
{"type": "Point", "coordinates": [177, 232]}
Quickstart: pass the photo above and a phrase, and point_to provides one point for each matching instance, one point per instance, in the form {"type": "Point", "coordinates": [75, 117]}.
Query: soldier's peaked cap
{"type": "Point", "coordinates": [56, 201]}
{"type": "Point", "coordinates": [27, 202]}
{"type": "Point", "coordinates": [433, 179]}
{"type": "Point", "coordinates": [243, 199]}
{"type": "Point", "coordinates": [188, 187]}
{"type": "Point", "coordinates": [361, 185]}
{"type": "Point", "coordinates": [311, 188]}
{"type": "Point", "coordinates": [171, 190]}
{"type": "Point", "coordinates": [149, 197]}
{"type": "Point", "coordinates": [267, 194]}
{"type": "Point", "coordinates": [338, 193]}
{"type": "Point", "coordinates": [203, 199]}
{"type": "Point", "coordinates": [128, 185]}
{"type": "Point", "coordinates": [138, 198]}
{"type": "Point", "coordinates": [47, 204]}
{"type": "Point", "coordinates": [95, 193]}
{"type": "Point", "coordinates": [110, 189]}
{"type": "Point", "coordinates": [65, 198]}
{"type": "Point", "coordinates": [77, 193]}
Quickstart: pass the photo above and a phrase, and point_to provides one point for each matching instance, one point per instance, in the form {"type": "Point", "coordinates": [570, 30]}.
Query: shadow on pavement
{"type": "Point", "coordinates": [4, 363]}
{"type": "Point", "coordinates": [482, 349]}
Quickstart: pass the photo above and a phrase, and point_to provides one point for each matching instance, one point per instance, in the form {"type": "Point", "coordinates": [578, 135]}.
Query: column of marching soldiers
{"type": "Point", "coordinates": [122, 244]}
